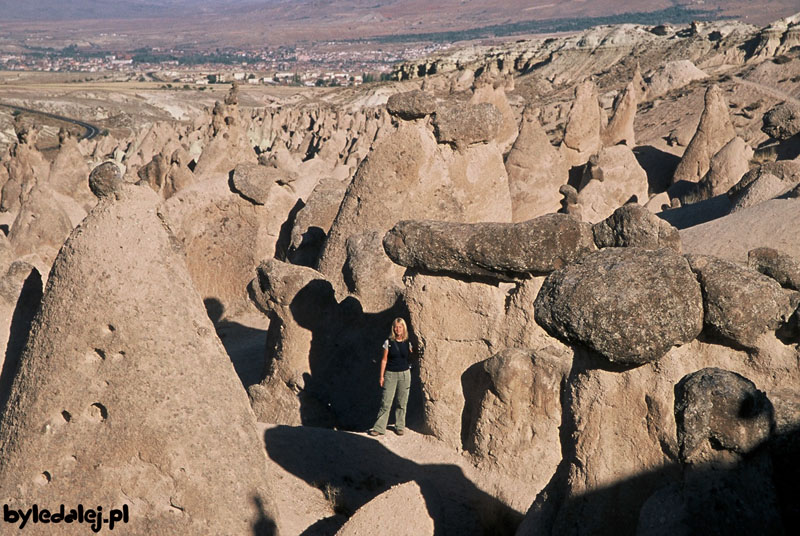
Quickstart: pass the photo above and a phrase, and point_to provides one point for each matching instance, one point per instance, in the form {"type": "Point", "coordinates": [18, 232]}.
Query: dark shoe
{"type": "Point", "coordinates": [400, 431]}
{"type": "Point", "coordinates": [374, 433]}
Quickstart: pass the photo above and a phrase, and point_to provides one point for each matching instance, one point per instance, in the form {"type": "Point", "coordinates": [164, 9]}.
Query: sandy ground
{"type": "Point", "coordinates": [323, 476]}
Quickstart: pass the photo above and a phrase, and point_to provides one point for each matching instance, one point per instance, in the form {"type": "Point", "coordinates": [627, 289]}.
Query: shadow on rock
{"type": "Point", "coordinates": [659, 166]}
{"type": "Point", "coordinates": [27, 304]}
{"type": "Point", "coordinates": [344, 359]}
{"type": "Point", "coordinates": [360, 469]}
{"type": "Point", "coordinates": [243, 344]}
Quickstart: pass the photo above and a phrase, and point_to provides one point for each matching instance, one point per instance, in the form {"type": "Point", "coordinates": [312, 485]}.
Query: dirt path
{"type": "Point", "coordinates": [771, 91]}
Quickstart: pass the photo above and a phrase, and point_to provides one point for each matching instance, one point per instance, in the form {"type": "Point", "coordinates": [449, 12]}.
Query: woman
{"type": "Point", "coordinates": [395, 379]}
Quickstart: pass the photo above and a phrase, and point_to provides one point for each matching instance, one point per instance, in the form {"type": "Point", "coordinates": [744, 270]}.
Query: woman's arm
{"type": "Point", "coordinates": [384, 359]}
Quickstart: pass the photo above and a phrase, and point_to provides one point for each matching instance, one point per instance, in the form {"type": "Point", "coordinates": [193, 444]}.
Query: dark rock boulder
{"type": "Point", "coordinates": [782, 121]}
{"type": "Point", "coordinates": [633, 225]}
{"type": "Point", "coordinates": [781, 267]}
{"type": "Point", "coordinates": [720, 410]}
{"type": "Point", "coordinates": [502, 251]}
{"type": "Point", "coordinates": [628, 304]}
{"type": "Point", "coordinates": [728, 484]}
{"type": "Point", "coordinates": [105, 179]}
{"type": "Point", "coordinates": [411, 105]}
{"type": "Point", "coordinates": [464, 124]}
{"type": "Point", "coordinates": [740, 304]}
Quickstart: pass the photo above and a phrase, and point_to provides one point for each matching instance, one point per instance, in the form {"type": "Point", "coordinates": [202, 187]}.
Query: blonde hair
{"type": "Point", "coordinates": [401, 322]}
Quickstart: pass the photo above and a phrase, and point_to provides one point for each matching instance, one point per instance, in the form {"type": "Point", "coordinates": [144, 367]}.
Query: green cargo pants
{"type": "Point", "coordinates": [393, 382]}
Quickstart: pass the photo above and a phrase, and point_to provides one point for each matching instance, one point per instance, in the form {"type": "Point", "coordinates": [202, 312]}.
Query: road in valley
{"type": "Point", "coordinates": [91, 130]}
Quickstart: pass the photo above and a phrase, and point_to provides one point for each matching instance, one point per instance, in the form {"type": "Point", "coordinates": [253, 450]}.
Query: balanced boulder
{"type": "Point", "coordinates": [462, 124]}
{"type": "Point", "coordinates": [740, 303]}
{"type": "Point", "coordinates": [633, 225]}
{"type": "Point", "coordinates": [502, 251]}
{"type": "Point", "coordinates": [411, 105]}
{"type": "Point", "coordinates": [630, 305]}
{"type": "Point", "coordinates": [720, 410]}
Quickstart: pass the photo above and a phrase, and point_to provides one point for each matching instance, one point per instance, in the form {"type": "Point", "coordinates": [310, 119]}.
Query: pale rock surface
{"type": "Point", "coordinates": [20, 295]}
{"type": "Point", "coordinates": [409, 176]}
{"type": "Point", "coordinates": [369, 274]}
{"type": "Point", "coordinates": [536, 170]}
{"type": "Point", "coordinates": [714, 131]}
{"type": "Point", "coordinates": [255, 182]}
{"type": "Point", "coordinates": [772, 224]}
{"type": "Point", "coordinates": [740, 304]}
{"type": "Point", "coordinates": [167, 172]}
{"type": "Point", "coordinates": [764, 182]}
{"type": "Point", "coordinates": [488, 90]}
{"type": "Point", "coordinates": [142, 405]}
{"type": "Point", "coordinates": [68, 172]}
{"type": "Point", "coordinates": [277, 398]}
{"type": "Point", "coordinates": [322, 355]}
{"type": "Point", "coordinates": [582, 133]}
{"type": "Point", "coordinates": [225, 236]}
{"type": "Point", "coordinates": [449, 344]}
{"type": "Point", "coordinates": [228, 143]}
{"type": "Point", "coordinates": [673, 75]}
{"type": "Point", "coordinates": [399, 511]}
{"type": "Point", "coordinates": [502, 251]}
{"type": "Point", "coordinates": [612, 178]}
{"type": "Point", "coordinates": [41, 225]}
{"type": "Point", "coordinates": [725, 169]}
{"type": "Point", "coordinates": [513, 412]}
{"type": "Point", "coordinates": [630, 305]}
{"type": "Point", "coordinates": [313, 221]}
{"type": "Point", "coordinates": [26, 167]}
{"type": "Point", "coordinates": [620, 127]}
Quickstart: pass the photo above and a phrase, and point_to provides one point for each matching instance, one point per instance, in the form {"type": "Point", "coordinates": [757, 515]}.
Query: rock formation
{"type": "Point", "coordinates": [142, 406]}
{"type": "Point", "coordinates": [629, 305]}
{"type": "Point", "coordinates": [582, 134]}
{"type": "Point", "coordinates": [384, 513]}
{"type": "Point", "coordinates": [496, 250]}
{"type": "Point", "coordinates": [714, 131]}
{"type": "Point", "coordinates": [611, 178]}
{"type": "Point", "coordinates": [536, 171]}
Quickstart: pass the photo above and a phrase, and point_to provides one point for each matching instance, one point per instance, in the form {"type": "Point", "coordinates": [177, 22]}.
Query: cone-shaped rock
{"type": "Point", "coordinates": [582, 132]}
{"type": "Point", "coordinates": [713, 133]}
{"type": "Point", "coordinates": [536, 171]}
{"type": "Point", "coordinates": [620, 128]}
{"type": "Point", "coordinates": [125, 397]}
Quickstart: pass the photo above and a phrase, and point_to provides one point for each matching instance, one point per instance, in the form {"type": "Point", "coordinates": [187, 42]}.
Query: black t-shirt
{"type": "Point", "coordinates": [398, 355]}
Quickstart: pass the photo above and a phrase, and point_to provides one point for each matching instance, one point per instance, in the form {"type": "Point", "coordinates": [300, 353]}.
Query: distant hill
{"type": "Point", "coordinates": [258, 22]}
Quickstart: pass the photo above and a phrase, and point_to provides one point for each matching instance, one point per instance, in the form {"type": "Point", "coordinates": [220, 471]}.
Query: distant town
{"type": "Point", "coordinates": [322, 64]}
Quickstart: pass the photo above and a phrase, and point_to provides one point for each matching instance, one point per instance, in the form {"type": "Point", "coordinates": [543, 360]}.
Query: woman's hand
{"type": "Point", "coordinates": [381, 381]}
